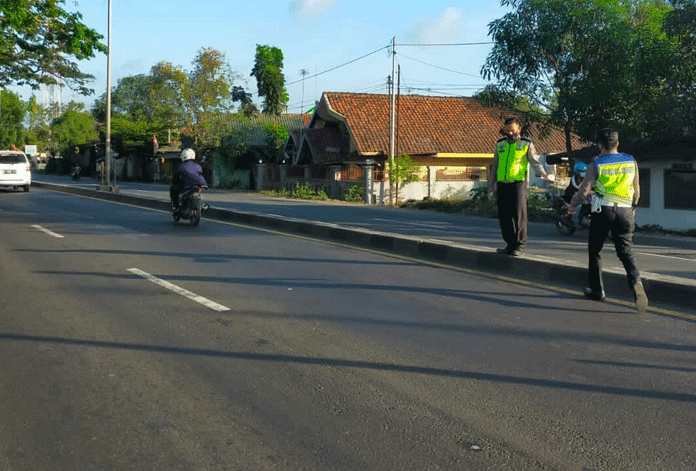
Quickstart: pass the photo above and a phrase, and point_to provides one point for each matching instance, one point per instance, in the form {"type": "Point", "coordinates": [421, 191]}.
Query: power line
{"type": "Point", "coordinates": [430, 90]}
{"type": "Point", "coordinates": [447, 44]}
{"type": "Point", "coordinates": [342, 65]}
{"type": "Point", "coordinates": [438, 67]}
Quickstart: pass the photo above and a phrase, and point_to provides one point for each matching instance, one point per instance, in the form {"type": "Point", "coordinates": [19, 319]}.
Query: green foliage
{"type": "Point", "coordinates": [39, 39]}
{"type": "Point", "coordinates": [270, 80]}
{"type": "Point", "coordinates": [401, 172]}
{"type": "Point", "coordinates": [580, 65]}
{"type": "Point", "coordinates": [208, 93]}
{"type": "Point", "coordinates": [226, 157]}
{"type": "Point", "coordinates": [133, 136]}
{"type": "Point", "coordinates": [210, 83]}
{"type": "Point", "coordinates": [679, 98]}
{"type": "Point", "coordinates": [246, 105]}
{"type": "Point", "coordinates": [276, 136]}
{"type": "Point", "coordinates": [355, 194]}
{"type": "Point", "coordinates": [171, 98]}
{"type": "Point", "coordinates": [300, 191]}
{"type": "Point", "coordinates": [479, 194]}
{"type": "Point", "coordinates": [304, 192]}
{"type": "Point", "coordinates": [73, 127]}
{"type": "Point", "coordinates": [11, 120]}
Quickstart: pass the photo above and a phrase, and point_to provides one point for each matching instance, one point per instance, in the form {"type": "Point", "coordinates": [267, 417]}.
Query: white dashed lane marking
{"type": "Point", "coordinates": [46, 231]}
{"type": "Point", "coordinates": [187, 294]}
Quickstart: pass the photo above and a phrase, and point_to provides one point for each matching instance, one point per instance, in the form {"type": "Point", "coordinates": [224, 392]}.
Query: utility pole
{"type": "Point", "coordinates": [396, 117]}
{"type": "Point", "coordinates": [107, 144]}
{"type": "Point", "coordinates": [392, 120]}
{"type": "Point", "coordinates": [304, 73]}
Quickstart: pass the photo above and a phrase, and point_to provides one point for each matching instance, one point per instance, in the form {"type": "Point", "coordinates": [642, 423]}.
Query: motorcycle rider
{"type": "Point", "coordinates": [579, 171]}
{"type": "Point", "coordinates": [188, 175]}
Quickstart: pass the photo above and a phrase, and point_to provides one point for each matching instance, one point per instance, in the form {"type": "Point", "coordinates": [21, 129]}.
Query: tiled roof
{"type": "Point", "coordinates": [252, 127]}
{"type": "Point", "coordinates": [325, 145]}
{"type": "Point", "coordinates": [428, 125]}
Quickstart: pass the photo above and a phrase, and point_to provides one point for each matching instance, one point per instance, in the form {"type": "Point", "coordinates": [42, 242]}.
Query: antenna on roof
{"type": "Point", "coordinates": [304, 73]}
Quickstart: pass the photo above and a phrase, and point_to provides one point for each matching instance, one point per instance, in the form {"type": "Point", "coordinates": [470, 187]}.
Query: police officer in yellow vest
{"type": "Point", "coordinates": [508, 179]}
{"type": "Point", "coordinates": [614, 178]}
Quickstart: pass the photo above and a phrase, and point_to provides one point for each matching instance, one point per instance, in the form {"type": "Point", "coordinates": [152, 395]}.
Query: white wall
{"type": "Point", "coordinates": [672, 219]}
{"type": "Point", "coordinates": [437, 190]}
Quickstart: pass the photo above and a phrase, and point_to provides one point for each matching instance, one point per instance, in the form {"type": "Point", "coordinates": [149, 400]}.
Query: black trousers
{"type": "Point", "coordinates": [174, 192]}
{"type": "Point", "coordinates": [512, 213]}
{"type": "Point", "coordinates": [621, 223]}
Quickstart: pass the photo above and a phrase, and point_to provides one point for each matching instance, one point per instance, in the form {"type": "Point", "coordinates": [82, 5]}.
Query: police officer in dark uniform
{"type": "Point", "coordinates": [508, 179]}
{"type": "Point", "coordinates": [614, 178]}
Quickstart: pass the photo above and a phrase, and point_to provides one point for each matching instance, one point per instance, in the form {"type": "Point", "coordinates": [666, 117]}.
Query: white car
{"type": "Point", "coordinates": [15, 169]}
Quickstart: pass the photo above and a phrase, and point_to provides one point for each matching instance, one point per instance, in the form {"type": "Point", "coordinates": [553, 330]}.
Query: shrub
{"type": "Point", "coordinates": [304, 192]}
{"type": "Point", "coordinates": [355, 194]}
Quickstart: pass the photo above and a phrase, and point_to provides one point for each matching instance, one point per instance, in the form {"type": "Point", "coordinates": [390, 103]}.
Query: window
{"type": "Point", "coordinates": [644, 178]}
{"type": "Point", "coordinates": [680, 189]}
{"type": "Point", "coordinates": [12, 159]}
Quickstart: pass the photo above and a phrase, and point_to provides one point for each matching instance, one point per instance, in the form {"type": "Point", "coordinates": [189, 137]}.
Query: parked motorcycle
{"type": "Point", "coordinates": [76, 171]}
{"type": "Point", "coordinates": [564, 222]}
{"type": "Point", "coordinates": [191, 206]}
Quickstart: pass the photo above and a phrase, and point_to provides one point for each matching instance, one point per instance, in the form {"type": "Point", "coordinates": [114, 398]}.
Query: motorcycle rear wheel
{"type": "Point", "coordinates": [565, 229]}
{"type": "Point", "coordinates": [176, 216]}
{"type": "Point", "coordinates": [195, 216]}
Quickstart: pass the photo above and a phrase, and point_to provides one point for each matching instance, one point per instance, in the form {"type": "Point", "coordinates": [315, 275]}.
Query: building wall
{"type": "Point", "coordinates": [656, 213]}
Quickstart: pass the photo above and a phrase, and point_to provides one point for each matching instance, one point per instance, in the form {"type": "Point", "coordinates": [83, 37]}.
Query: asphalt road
{"type": "Point", "coordinates": [672, 256]}
{"type": "Point", "coordinates": [131, 342]}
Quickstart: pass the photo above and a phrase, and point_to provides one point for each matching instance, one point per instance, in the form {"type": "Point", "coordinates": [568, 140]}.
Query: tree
{"type": "Point", "coordinates": [246, 105]}
{"type": "Point", "coordinates": [167, 101]}
{"type": "Point", "coordinates": [268, 71]}
{"type": "Point", "coordinates": [574, 62]}
{"type": "Point", "coordinates": [276, 136]}
{"type": "Point", "coordinates": [208, 92]}
{"type": "Point", "coordinates": [11, 120]}
{"type": "Point", "coordinates": [132, 97]}
{"type": "Point", "coordinates": [401, 173]}
{"type": "Point", "coordinates": [40, 42]}
{"type": "Point", "coordinates": [680, 92]}
{"type": "Point", "coordinates": [156, 98]}
{"type": "Point", "coordinates": [73, 127]}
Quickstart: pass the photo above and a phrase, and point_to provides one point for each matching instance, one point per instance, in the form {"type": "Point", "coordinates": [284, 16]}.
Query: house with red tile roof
{"type": "Point", "coordinates": [451, 139]}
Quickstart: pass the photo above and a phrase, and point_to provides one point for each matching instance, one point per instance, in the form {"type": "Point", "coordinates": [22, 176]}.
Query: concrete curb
{"type": "Point", "coordinates": [668, 290]}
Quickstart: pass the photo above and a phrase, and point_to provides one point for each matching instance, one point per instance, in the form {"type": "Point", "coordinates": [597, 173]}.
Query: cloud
{"type": "Point", "coordinates": [305, 9]}
{"type": "Point", "coordinates": [440, 30]}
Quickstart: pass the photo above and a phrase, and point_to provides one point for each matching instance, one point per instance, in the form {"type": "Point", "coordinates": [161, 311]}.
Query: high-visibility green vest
{"type": "Point", "coordinates": [615, 175]}
{"type": "Point", "coordinates": [512, 160]}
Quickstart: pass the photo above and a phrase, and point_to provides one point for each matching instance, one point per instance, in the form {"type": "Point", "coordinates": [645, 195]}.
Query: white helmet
{"type": "Point", "coordinates": [187, 154]}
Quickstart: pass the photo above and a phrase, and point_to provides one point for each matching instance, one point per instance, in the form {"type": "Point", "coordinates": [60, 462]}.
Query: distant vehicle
{"type": "Point", "coordinates": [15, 169]}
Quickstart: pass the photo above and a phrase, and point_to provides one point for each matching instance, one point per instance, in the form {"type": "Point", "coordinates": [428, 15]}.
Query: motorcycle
{"type": "Point", "coordinates": [191, 206]}
{"type": "Point", "coordinates": [75, 174]}
{"type": "Point", "coordinates": [564, 222]}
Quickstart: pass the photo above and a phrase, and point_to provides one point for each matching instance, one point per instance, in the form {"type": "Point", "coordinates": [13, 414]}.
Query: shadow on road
{"type": "Point", "coordinates": [338, 363]}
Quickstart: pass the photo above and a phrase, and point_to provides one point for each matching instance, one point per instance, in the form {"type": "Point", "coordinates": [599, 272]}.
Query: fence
{"type": "Point", "coordinates": [352, 173]}
{"type": "Point", "coordinates": [336, 181]}
{"type": "Point", "coordinates": [465, 174]}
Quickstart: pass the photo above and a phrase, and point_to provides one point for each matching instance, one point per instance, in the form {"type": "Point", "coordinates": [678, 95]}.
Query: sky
{"type": "Point", "coordinates": [328, 45]}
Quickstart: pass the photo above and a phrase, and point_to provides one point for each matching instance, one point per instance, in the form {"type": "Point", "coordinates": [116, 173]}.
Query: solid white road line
{"type": "Point", "coordinates": [192, 296]}
{"type": "Point", "coordinates": [51, 233]}
{"type": "Point", "coordinates": [407, 223]}
{"type": "Point", "coordinates": [666, 256]}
